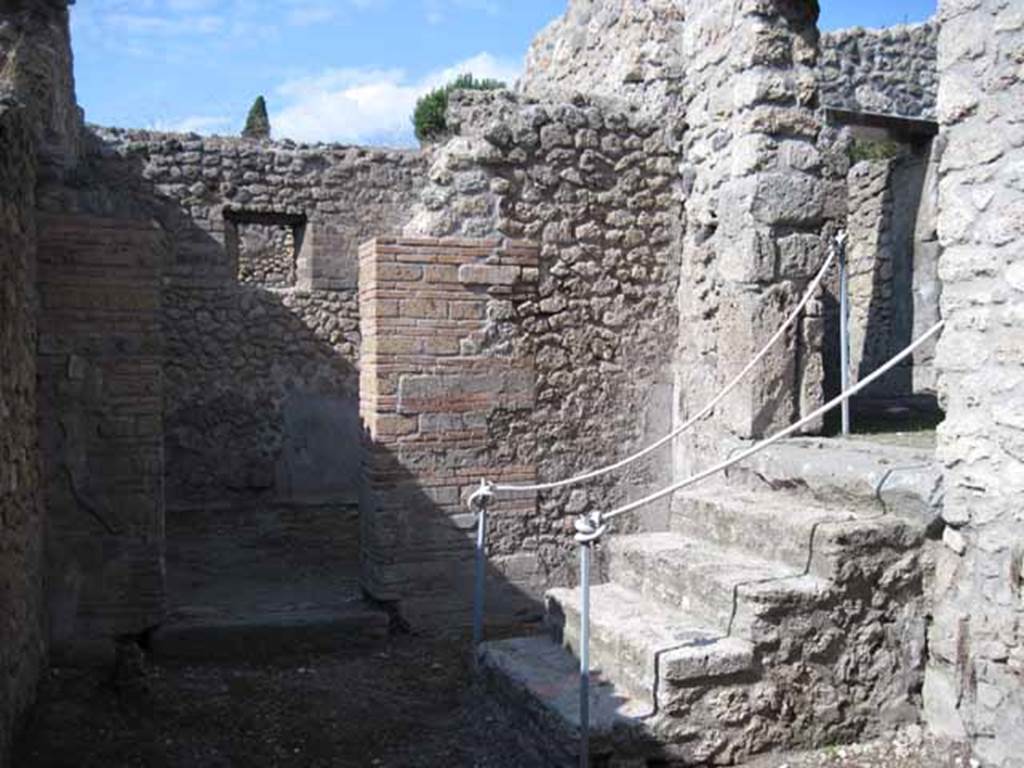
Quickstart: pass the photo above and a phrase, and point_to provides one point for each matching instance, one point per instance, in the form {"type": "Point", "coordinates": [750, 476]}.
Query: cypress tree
{"type": "Point", "coordinates": [257, 124]}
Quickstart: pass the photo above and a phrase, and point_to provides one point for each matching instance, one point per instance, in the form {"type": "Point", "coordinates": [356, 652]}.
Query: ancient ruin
{"type": "Point", "coordinates": [247, 387]}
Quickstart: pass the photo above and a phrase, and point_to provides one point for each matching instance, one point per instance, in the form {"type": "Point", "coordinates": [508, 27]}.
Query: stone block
{"type": "Point", "coordinates": [463, 392]}
{"type": "Point", "coordinates": [467, 310]}
{"type": "Point", "coordinates": [398, 273]}
{"type": "Point", "coordinates": [441, 273]}
{"type": "Point", "coordinates": [750, 258]}
{"type": "Point", "coordinates": [788, 198]}
{"type": "Point", "coordinates": [423, 308]}
{"type": "Point", "coordinates": [488, 274]}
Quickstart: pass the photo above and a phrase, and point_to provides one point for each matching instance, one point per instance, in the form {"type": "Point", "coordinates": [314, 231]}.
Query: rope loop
{"type": "Point", "coordinates": [589, 528]}
{"type": "Point", "coordinates": [482, 496]}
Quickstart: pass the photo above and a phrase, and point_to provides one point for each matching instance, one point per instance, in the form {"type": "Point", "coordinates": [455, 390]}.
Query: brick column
{"type": "Point", "coordinates": [437, 396]}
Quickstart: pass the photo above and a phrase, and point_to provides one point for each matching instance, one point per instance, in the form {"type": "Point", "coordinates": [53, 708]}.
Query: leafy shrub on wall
{"type": "Point", "coordinates": [429, 117]}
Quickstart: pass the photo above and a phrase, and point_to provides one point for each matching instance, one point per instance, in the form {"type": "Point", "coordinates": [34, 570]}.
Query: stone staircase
{"type": "Point", "coordinates": [779, 610]}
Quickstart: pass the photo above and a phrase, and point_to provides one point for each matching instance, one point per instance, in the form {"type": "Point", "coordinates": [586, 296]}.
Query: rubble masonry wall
{"type": "Point", "coordinates": [22, 623]}
{"type": "Point", "coordinates": [891, 70]}
{"type": "Point", "coordinates": [261, 358]}
{"type": "Point", "coordinates": [595, 185]}
{"type": "Point", "coordinates": [974, 680]}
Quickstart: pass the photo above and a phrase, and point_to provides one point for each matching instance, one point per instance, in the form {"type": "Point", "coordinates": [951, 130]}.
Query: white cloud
{"type": "Point", "coordinates": [365, 105]}
{"type": "Point", "coordinates": [204, 124]}
{"type": "Point", "coordinates": [137, 24]}
{"type": "Point", "coordinates": [436, 10]}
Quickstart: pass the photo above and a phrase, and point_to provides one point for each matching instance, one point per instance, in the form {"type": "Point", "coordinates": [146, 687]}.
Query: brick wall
{"type": "Point", "coordinates": [437, 414]}
{"type": "Point", "coordinates": [100, 389]}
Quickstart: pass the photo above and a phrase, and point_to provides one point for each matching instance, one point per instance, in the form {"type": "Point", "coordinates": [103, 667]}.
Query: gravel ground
{"type": "Point", "coordinates": [409, 703]}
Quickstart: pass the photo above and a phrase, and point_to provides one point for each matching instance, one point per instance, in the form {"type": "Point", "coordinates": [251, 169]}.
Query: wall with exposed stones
{"type": "Point", "coordinates": [202, 293]}
{"type": "Point", "coordinates": [631, 51]}
{"type": "Point", "coordinates": [892, 254]}
{"type": "Point", "coordinates": [596, 186]}
{"type": "Point", "coordinates": [21, 511]}
{"type": "Point", "coordinates": [260, 315]}
{"type": "Point", "coordinates": [637, 52]}
{"type": "Point", "coordinates": [754, 211]}
{"type": "Point", "coordinates": [38, 137]}
{"type": "Point", "coordinates": [35, 62]}
{"type": "Point", "coordinates": [975, 681]}
{"type": "Point", "coordinates": [614, 197]}
{"type": "Point", "coordinates": [891, 70]}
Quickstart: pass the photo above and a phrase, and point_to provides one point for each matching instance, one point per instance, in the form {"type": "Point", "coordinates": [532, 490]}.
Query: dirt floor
{"type": "Point", "coordinates": [409, 702]}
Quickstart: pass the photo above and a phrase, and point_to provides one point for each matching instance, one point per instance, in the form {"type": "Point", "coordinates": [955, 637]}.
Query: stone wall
{"type": "Point", "coordinates": [259, 306]}
{"type": "Point", "coordinates": [891, 70]}
{"type": "Point", "coordinates": [975, 680]}
{"type": "Point", "coordinates": [603, 186]}
{"type": "Point", "coordinates": [440, 413]}
{"type": "Point", "coordinates": [625, 50]}
{"type": "Point", "coordinates": [35, 60]}
{"type": "Point", "coordinates": [38, 137]}
{"type": "Point", "coordinates": [21, 513]}
{"type": "Point", "coordinates": [893, 260]}
{"type": "Point", "coordinates": [755, 205]}
{"type": "Point", "coordinates": [596, 186]}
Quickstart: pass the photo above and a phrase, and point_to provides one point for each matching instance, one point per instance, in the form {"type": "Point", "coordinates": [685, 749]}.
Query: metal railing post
{"type": "Point", "coordinates": [584, 654]}
{"type": "Point", "coordinates": [844, 328]}
{"type": "Point", "coordinates": [589, 529]}
{"type": "Point", "coordinates": [480, 576]}
{"type": "Point", "coordinates": [478, 502]}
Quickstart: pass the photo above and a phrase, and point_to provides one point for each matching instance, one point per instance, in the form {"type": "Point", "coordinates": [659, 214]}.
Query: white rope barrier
{"type": "Point", "coordinates": [812, 289]}
{"type": "Point", "coordinates": [692, 480]}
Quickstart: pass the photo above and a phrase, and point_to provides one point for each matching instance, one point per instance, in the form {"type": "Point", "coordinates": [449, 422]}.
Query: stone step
{"type": "Point", "coordinates": [902, 479]}
{"type": "Point", "coordinates": [257, 635]}
{"type": "Point", "coordinates": [728, 589]}
{"type": "Point", "coordinates": [638, 643]}
{"type": "Point", "coordinates": [538, 682]}
{"type": "Point", "coordinates": [789, 528]}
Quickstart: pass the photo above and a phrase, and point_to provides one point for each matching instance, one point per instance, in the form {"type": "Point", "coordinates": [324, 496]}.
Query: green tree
{"type": "Point", "coordinates": [429, 117]}
{"type": "Point", "coordinates": [257, 124]}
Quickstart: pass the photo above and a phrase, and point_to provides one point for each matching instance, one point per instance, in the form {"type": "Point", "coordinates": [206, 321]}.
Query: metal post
{"type": "Point", "coordinates": [584, 654]}
{"type": "Point", "coordinates": [480, 577]}
{"type": "Point", "coordinates": [478, 502]}
{"type": "Point", "coordinates": [844, 329]}
{"type": "Point", "coordinates": [589, 528]}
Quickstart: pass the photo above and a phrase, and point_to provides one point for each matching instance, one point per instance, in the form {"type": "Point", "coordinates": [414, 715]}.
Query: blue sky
{"type": "Point", "coordinates": [331, 70]}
